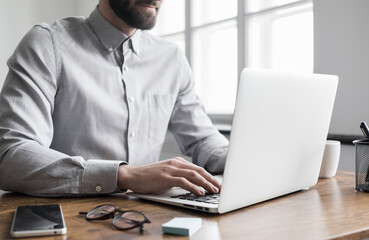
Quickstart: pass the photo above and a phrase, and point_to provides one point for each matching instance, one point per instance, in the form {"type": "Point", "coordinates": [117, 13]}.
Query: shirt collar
{"type": "Point", "coordinates": [110, 36]}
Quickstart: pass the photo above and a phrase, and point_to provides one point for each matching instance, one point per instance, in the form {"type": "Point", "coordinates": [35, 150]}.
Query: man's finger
{"type": "Point", "coordinates": [186, 184]}
{"type": "Point", "coordinates": [208, 176]}
{"type": "Point", "coordinates": [197, 179]}
{"type": "Point", "coordinates": [183, 164]}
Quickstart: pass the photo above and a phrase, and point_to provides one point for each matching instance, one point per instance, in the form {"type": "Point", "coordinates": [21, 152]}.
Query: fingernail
{"type": "Point", "coordinates": [215, 189]}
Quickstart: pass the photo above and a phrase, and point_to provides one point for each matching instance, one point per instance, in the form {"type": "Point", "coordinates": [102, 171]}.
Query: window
{"type": "Point", "coordinates": [220, 38]}
{"type": "Point", "coordinates": [280, 34]}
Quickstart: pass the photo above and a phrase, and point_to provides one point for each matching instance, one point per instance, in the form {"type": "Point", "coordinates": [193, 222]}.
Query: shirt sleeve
{"type": "Point", "coordinates": [27, 164]}
{"type": "Point", "coordinates": [192, 128]}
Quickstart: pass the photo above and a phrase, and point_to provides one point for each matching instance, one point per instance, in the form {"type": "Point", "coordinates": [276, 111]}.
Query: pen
{"type": "Point", "coordinates": [364, 129]}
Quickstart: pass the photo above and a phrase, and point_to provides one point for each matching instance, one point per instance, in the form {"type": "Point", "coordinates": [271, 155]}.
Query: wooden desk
{"type": "Point", "coordinates": [331, 209]}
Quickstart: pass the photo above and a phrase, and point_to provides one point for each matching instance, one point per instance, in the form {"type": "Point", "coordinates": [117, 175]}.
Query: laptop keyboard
{"type": "Point", "coordinates": [212, 198]}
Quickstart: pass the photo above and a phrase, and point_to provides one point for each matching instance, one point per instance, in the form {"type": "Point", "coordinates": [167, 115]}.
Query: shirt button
{"type": "Point", "coordinates": [125, 68]}
{"type": "Point", "coordinates": [110, 49]}
{"type": "Point", "coordinates": [98, 188]}
{"type": "Point", "coordinates": [132, 99]}
{"type": "Point", "coordinates": [132, 134]}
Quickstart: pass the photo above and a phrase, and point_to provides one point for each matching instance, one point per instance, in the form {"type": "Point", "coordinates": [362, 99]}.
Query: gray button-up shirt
{"type": "Point", "coordinates": [81, 98]}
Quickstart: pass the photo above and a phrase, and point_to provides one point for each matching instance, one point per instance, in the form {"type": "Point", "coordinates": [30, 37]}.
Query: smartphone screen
{"type": "Point", "coordinates": [38, 220]}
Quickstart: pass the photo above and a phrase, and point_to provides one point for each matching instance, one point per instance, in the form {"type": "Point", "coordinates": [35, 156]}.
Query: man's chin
{"type": "Point", "coordinates": [140, 16]}
{"type": "Point", "coordinates": [149, 20]}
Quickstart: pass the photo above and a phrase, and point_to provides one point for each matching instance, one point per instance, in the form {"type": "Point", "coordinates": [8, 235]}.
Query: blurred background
{"type": "Point", "coordinates": [220, 38]}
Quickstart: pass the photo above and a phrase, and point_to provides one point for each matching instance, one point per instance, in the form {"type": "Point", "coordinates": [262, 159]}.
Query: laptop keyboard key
{"type": "Point", "coordinates": [207, 198]}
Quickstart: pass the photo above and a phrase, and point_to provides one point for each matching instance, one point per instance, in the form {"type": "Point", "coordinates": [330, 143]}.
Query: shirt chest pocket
{"type": "Point", "coordinates": [160, 111]}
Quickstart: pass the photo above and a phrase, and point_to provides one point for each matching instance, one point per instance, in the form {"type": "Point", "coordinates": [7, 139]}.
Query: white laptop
{"type": "Point", "coordinates": [279, 130]}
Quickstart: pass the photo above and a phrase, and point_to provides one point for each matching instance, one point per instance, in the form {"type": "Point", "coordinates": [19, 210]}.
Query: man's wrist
{"type": "Point", "coordinates": [122, 180]}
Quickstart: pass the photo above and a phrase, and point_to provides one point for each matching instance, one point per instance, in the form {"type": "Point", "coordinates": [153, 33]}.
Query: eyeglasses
{"type": "Point", "coordinates": [123, 220]}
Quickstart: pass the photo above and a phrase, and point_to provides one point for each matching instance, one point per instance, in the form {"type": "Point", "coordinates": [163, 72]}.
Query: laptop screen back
{"type": "Point", "coordinates": [279, 130]}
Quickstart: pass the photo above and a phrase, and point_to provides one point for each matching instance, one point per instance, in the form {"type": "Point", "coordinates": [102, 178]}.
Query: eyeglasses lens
{"type": "Point", "coordinates": [101, 211]}
{"type": "Point", "coordinates": [128, 220]}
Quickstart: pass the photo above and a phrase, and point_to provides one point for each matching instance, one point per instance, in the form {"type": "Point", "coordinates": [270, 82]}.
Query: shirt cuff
{"type": "Point", "coordinates": [100, 176]}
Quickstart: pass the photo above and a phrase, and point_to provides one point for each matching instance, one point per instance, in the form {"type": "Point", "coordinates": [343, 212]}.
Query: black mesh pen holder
{"type": "Point", "coordinates": [362, 165]}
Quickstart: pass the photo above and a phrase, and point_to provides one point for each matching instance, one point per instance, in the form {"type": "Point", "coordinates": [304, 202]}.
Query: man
{"type": "Point", "coordinates": [87, 103]}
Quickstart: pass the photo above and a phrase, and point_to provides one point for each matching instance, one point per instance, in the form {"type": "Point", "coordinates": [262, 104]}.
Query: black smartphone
{"type": "Point", "coordinates": [38, 220]}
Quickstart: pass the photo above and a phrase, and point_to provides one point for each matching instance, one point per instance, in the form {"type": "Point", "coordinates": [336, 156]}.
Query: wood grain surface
{"type": "Point", "coordinates": [330, 210]}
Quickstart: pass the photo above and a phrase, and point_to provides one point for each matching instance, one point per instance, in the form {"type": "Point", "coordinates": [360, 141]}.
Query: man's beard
{"type": "Point", "coordinates": [133, 15]}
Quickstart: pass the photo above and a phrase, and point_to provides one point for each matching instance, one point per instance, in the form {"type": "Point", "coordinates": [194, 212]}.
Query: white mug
{"type": "Point", "coordinates": [331, 159]}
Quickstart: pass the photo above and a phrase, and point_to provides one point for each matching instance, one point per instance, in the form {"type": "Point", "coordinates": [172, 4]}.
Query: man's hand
{"type": "Point", "coordinates": [159, 176]}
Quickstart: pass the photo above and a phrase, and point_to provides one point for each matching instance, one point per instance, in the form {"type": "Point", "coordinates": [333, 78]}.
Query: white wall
{"type": "Point", "coordinates": [18, 16]}
{"type": "Point", "coordinates": [341, 43]}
